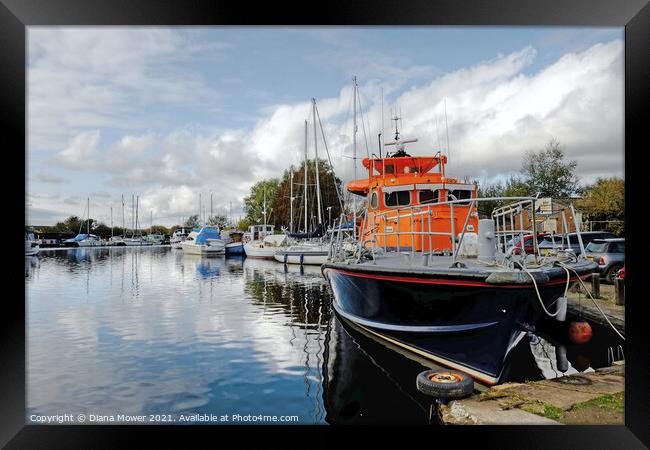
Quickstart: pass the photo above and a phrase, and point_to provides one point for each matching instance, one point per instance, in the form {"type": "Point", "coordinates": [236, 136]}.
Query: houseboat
{"type": "Point", "coordinates": [426, 274]}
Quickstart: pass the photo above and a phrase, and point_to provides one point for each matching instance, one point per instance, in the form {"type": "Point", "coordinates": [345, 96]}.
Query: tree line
{"type": "Point", "coordinates": [546, 173]}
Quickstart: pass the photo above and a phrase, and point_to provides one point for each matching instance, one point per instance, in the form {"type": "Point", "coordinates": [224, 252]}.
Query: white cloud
{"type": "Point", "coordinates": [82, 78]}
{"type": "Point", "coordinates": [495, 111]}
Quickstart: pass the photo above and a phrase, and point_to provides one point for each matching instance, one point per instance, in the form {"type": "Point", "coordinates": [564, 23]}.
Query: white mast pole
{"type": "Point", "coordinates": [291, 199]}
{"type": "Point", "coordinates": [306, 221]}
{"type": "Point", "coordinates": [88, 223]}
{"type": "Point", "coordinates": [354, 155]}
{"type": "Point", "coordinates": [111, 220]}
{"type": "Point", "coordinates": [264, 210]}
{"type": "Point", "coordinates": [318, 199]}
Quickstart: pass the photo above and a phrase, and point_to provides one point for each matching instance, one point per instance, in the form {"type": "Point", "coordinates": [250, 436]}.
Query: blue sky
{"type": "Point", "coordinates": [166, 113]}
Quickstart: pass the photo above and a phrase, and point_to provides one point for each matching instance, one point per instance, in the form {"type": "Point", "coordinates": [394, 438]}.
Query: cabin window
{"type": "Point", "coordinates": [460, 194]}
{"type": "Point", "coordinates": [389, 168]}
{"type": "Point", "coordinates": [374, 200]}
{"type": "Point", "coordinates": [429, 196]}
{"type": "Point", "coordinates": [399, 198]}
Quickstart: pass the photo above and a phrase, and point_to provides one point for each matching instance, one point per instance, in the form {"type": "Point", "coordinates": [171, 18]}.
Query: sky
{"type": "Point", "coordinates": [168, 113]}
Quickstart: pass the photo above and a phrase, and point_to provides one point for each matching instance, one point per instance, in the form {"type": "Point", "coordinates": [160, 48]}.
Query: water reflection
{"type": "Point", "coordinates": [151, 330]}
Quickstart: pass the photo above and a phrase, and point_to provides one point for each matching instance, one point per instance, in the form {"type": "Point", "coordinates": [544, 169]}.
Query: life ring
{"type": "Point", "coordinates": [445, 383]}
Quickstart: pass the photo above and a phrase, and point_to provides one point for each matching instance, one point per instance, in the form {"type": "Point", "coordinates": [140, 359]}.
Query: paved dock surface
{"type": "Point", "coordinates": [584, 398]}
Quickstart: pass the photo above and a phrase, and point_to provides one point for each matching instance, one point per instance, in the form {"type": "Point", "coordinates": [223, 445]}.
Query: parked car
{"type": "Point", "coordinates": [528, 243]}
{"type": "Point", "coordinates": [609, 254]}
{"type": "Point", "coordinates": [570, 241]}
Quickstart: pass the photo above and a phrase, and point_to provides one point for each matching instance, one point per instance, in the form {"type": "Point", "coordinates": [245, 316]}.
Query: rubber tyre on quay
{"type": "Point", "coordinates": [445, 383]}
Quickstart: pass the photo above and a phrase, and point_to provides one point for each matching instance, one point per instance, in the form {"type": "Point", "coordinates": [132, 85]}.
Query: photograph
{"type": "Point", "coordinates": [244, 224]}
{"type": "Point", "coordinates": [325, 225]}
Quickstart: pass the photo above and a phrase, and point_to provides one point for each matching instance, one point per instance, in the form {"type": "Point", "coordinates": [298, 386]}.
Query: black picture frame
{"type": "Point", "coordinates": [634, 15]}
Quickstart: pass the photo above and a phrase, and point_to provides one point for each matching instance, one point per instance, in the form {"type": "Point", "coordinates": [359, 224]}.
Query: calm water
{"type": "Point", "coordinates": [141, 331]}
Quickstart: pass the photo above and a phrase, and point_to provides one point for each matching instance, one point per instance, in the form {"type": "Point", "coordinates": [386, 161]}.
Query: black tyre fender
{"type": "Point", "coordinates": [445, 383]}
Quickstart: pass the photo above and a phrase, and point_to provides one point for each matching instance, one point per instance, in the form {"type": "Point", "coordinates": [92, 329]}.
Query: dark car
{"type": "Point", "coordinates": [528, 243]}
{"type": "Point", "coordinates": [609, 254]}
{"type": "Point", "coordinates": [570, 241]}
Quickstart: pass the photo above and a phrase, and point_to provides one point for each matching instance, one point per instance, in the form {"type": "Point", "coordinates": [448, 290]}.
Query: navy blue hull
{"type": "Point", "coordinates": [464, 324]}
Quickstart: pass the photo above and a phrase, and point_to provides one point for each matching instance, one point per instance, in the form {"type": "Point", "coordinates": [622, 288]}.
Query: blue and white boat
{"type": "Point", "coordinates": [233, 241]}
{"type": "Point", "coordinates": [83, 240]}
{"type": "Point", "coordinates": [204, 241]}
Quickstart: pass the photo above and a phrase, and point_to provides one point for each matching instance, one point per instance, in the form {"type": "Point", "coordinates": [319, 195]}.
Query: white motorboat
{"type": "Point", "coordinates": [155, 238]}
{"type": "Point", "coordinates": [178, 237]}
{"type": "Point", "coordinates": [31, 244]}
{"type": "Point", "coordinates": [204, 241]}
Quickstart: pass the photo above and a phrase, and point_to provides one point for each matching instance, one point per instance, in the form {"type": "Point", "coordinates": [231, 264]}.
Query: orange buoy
{"type": "Point", "coordinates": [580, 332]}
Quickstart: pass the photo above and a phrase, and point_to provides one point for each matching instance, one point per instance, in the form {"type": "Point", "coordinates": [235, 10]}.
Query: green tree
{"type": "Point", "coordinates": [546, 172]}
{"type": "Point", "coordinates": [192, 221]}
{"type": "Point", "coordinates": [605, 201]}
{"type": "Point", "coordinates": [254, 203]}
{"type": "Point", "coordinates": [329, 185]}
{"type": "Point", "coordinates": [243, 224]}
{"type": "Point", "coordinates": [218, 221]}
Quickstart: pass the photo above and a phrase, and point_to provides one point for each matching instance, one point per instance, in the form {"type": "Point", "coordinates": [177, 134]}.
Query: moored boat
{"type": "Point", "coordinates": [426, 274]}
{"type": "Point", "coordinates": [178, 237]}
{"type": "Point", "coordinates": [305, 253]}
{"type": "Point", "coordinates": [32, 246]}
{"type": "Point", "coordinates": [204, 241]}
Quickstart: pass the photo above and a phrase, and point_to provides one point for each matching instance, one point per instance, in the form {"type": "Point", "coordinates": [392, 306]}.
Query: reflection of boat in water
{"type": "Point", "coordinates": [422, 277]}
{"type": "Point", "coordinates": [361, 376]}
{"type": "Point", "coordinates": [31, 263]}
{"type": "Point", "coordinates": [205, 267]}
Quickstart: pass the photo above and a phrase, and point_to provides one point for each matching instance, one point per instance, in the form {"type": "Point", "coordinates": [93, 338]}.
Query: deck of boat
{"type": "Point", "coordinates": [422, 264]}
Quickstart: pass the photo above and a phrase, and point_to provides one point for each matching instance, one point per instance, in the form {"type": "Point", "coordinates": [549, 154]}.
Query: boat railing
{"type": "Point", "coordinates": [512, 221]}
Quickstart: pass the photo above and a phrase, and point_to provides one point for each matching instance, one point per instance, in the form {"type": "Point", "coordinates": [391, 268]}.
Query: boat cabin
{"type": "Point", "coordinates": [258, 232]}
{"type": "Point", "coordinates": [408, 204]}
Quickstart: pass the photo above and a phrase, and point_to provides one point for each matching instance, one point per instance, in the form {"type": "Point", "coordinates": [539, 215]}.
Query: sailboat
{"type": "Point", "coordinates": [204, 240]}
{"type": "Point", "coordinates": [84, 239]}
{"type": "Point", "coordinates": [307, 250]}
{"type": "Point", "coordinates": [134, 240]}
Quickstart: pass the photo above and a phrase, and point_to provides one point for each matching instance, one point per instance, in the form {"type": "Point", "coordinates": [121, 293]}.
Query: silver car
{"type": "Point", "coordinates": [609, 254]}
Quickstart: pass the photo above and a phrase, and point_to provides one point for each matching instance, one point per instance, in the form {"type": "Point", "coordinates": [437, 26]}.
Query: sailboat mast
{"type": "Point", "coordinates": [111, 220]}
{"type": "Point", "coordinates": [200, 211]}
{"type": "Point", "coordinates": [291, 199]}
{"type": "Point", "coordinates": [88, 222]}
{"type": "Point", "coordinates": [123, 223]}
{"type": "Point", "coordinates": [132, 215]}
{"type": "Point", "coordinates": [354, 155]}
{"type": "Point", "coordinates": [318, 200]}
{"type": "Point", "coordinates": [137, 207]}
{"type": "Point", "coordinates": [264, 210]}
{"type": "Point", "coordinates": [306, 221]}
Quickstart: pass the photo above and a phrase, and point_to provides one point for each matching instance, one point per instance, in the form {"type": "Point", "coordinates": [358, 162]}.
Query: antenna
{"type": "Point", "coordinates": [446, 126]}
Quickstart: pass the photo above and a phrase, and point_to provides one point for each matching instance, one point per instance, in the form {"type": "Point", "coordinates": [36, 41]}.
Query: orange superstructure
{"type": "Point", "coordinates": [407, 203]}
